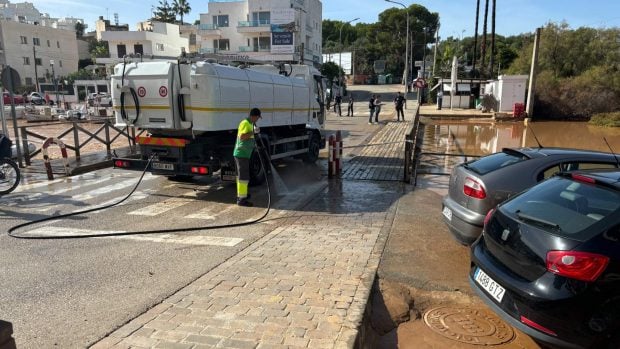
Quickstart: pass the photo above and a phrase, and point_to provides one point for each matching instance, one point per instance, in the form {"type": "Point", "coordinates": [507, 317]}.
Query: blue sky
{"type": "Point", "coordinates": [513, 16]}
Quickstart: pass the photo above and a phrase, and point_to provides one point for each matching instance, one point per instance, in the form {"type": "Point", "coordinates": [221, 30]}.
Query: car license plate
{"type": "Point", "coordinates": [447, 213]}
{"type": "Point", "coordinates": [162, 166]}
{"type": "Point", "coordinates": [489, 285]}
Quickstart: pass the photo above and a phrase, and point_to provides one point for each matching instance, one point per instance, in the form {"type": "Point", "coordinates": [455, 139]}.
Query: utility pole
{"type": "Point", "coordinates": [36, 74]}
{"type": "Point", "coordinates": [406, 72]}
{"type": "Point", "coordinates": [530, 90]}
{"type": "Point", "coordinates": [340, 56]}
{"type": "Point", "coordinates": [435, 53]}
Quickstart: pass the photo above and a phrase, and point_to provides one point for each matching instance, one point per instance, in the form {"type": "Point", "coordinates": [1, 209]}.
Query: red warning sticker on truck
{"type": "Point", "coordinates": [163, 91]}
{"type": "Point", "coordinates": [141, 91]}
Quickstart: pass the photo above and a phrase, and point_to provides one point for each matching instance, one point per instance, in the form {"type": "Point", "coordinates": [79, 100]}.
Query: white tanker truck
{"type": "Point", "coordinates": [191, 111]}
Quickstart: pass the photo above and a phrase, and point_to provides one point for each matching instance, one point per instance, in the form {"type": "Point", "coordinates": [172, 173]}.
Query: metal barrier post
{"type": "Point", "coordinates": [108, 143]}
{"type": "Point", "coordinates": [338, 153]}
{"type": "Point", "coordinates": [330, 163]}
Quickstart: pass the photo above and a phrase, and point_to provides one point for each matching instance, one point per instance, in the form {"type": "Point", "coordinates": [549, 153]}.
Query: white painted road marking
{"type": "Point", "coordinates": [166, 205]}
{"type": "Point", "coordinates": [198, 240]}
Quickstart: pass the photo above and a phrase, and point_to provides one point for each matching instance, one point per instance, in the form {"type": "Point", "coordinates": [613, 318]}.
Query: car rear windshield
{"type": "Point", "coordinates": [495, 161]}
{"type": "Point", "coordinates": [565, 207]}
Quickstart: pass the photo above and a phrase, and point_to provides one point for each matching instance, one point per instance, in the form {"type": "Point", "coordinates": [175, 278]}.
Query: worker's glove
{"type": "Point", "coordinates": [256, 129]}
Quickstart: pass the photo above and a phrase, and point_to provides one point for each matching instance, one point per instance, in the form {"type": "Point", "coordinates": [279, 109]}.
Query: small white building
{"type": "Point", "coordinates": [508, 90]}
{"type": "Point", "coordinates": [37, 52]}
{"type": "Point", "coordinates": [163, 42]}
{"type": "Point", "coordinates": [269, 30]}
{"type": "Point", "coordinates": [26, 12]}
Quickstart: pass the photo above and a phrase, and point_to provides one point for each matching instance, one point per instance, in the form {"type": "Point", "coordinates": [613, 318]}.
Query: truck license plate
{"type": "Point", "coordinates": [489, 285]}
{"type": "Point", "coordinates": [162, 166]}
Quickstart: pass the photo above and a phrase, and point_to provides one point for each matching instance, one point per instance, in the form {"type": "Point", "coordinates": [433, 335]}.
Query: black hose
{"type": "Point", "coordinates": [134, 95]}
{"type": "Point", "coordinates": [143, 232]}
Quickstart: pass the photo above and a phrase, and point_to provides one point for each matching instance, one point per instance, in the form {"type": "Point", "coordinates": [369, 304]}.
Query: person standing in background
{"type": "Point", "coordinates": [338, 105]}
{"type": "Point", "coordinates": [378, 104]}
{"type": "Point", "coordinates": [399, 103]}
{"type": "Point", "coordinates": [350, 105]}
{"type": "Point", "coordinates": [371, 107]}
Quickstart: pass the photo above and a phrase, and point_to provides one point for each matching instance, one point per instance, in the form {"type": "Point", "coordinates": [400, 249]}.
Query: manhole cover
{"type": "Point", "coordinates": [468, 326]}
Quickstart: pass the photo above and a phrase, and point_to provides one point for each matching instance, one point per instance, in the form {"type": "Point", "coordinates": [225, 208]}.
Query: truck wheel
{"type": "Point", "coordinates": [314, 146]}
{"type": "Point", "coordinates": [257, 172]}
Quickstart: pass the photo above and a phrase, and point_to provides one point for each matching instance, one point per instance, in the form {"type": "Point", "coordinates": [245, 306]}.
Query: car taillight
{"type": "Point", "coordinates": [487, 218]}
{"type": "Point", "coordinates": [474, 189]}
{"type": "Point", "coordinates": [583, 266]}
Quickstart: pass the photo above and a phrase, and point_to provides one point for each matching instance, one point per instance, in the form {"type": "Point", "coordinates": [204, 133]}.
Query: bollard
{"type": "Point", "coordinates": [338, 153]}
{"type": "Point", "coordinates": [46, 158]}
{"type": "Point", "coordinates": [330, 163]}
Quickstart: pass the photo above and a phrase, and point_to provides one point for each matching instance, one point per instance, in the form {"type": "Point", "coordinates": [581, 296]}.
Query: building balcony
{"type": "Point", "coordinates": [254, 26]}
{"type": "Point", "coordinates": [209, 29]}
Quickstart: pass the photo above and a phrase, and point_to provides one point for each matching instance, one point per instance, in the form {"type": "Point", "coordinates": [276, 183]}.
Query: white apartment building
{"type": "Point", "coordinates": [269, 30]}
{"type": "Point", "coordinates": [37, 52]}
{"type": "Point", "coordinates": [163, 41]}
{"type": "Point", "coordinates": [25, 12]}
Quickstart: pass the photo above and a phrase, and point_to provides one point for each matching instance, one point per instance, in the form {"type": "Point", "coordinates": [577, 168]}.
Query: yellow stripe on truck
{"type": "Point", "coordinates": [169, 142]}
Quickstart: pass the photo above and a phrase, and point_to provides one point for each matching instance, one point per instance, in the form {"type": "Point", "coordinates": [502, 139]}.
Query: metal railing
{"type": "Point", "coordinates": [257, 23]}
{"type": "Point", "coordinates": [207, 26]}
{"type": "Point", "coordinates": [412, 150]}
{"type": "Point", "coordinates": [105, 134]}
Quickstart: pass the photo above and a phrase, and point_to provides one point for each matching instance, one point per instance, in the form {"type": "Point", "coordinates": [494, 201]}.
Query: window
{"type": "Point", "coordinates": [24, 40]}
{"type": "Point", "coordinates": [121, 50]}
{"type": "Point", "coordinates": [58, 44]}
{"type": "Point", "coordinates": [159, 47]}
{"type": "Point", "coordinates": [37, 61]}
{"type": "Point", "coordinates": [220, 21]}
{"type": "Point", "coordinates": [221, 44]}
{"type": "Point", "coordinates": [495, 161]}
{"type": "Point", "coordinates": [36, 42]}
{"type": "Point", "coordinates": [261, 17]}
{"type": "Point", "coordinates": [60, 63]}
{"type": "Point", "coordinates": [26, 60]}
{"type": "Point", "coordinates": [28, 81]}
{"type": "Point", "coordinates": [262, 44]}
{"type": "Point", "coordinates": [192, 39]}
{"type": "Point", "coordinates": [137, 48]}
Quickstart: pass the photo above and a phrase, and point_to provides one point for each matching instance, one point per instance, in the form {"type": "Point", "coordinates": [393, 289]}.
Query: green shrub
{"type": "Point", "coordinates": [606, 119]}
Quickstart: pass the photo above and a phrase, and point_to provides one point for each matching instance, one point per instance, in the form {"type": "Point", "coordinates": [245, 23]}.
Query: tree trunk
{"type": "Point", "coordinates": [492, 58]}
{"type": "Point", "coordinates": [476, 38]}
{"type": "Point", "coordinates": [484, 33]}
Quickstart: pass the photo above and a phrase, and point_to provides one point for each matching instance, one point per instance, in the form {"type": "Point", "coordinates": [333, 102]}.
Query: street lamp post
{"type": "Point", "coordinates": [422, 90]}
{"type": "Point", "coordinates": [55, 81]}
{"type": "Point", "coordinates": [340, 55]}
{"type": "Point", "coordinates": [406, 72]}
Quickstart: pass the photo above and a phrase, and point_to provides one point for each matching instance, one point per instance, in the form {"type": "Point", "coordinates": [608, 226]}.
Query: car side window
{"type": "Point", "coordinates": [572, 166]}
{"type": "Point", "coordinates": [549, 172]}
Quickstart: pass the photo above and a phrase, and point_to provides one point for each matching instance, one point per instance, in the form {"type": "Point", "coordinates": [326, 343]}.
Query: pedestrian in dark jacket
{"type": "Point", "coordinates": [399, 103]}
{"type": "Point", "coordinates": [378, 104]}
{"type": "Point", "coordinates": [371, 107]}
{"type": "Point", "coordinates": [338, 104]}
{"type": "Point", "coordinates": [350, 107]}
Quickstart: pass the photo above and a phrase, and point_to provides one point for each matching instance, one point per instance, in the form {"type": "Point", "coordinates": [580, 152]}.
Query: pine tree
{"type": "Point", "coordinates": [164, 12]}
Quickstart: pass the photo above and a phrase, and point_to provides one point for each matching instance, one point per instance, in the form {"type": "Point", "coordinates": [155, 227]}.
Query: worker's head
{"type": "Point", "coordinates": [255, 114]}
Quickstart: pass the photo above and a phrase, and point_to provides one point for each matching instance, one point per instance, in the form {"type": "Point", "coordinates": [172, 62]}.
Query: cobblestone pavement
{"type": "Point", "coordinates": [304, 285]}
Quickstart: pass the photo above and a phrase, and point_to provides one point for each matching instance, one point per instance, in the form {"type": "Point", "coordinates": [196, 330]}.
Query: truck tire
{"type": "Point", "coordinates": [314, 147]}
{"type": "Point", "coordinates": [257, 172]}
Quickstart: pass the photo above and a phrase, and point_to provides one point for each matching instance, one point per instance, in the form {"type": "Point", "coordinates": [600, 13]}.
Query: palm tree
{"type": "Point", "coordinates": [181, 8]}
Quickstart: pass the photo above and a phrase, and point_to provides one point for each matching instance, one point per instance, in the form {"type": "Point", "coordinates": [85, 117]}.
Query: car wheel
{"type": "Point", "coordinates": [314, 147]}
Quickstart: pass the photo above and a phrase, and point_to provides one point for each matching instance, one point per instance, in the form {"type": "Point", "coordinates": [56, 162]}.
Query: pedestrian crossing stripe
{"type": "Point", "coordinates": [196, 240]}
{"type": "Point", "coordinates": [165, 206]}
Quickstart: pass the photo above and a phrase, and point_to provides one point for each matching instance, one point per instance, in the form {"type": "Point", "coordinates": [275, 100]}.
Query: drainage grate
{"type": "Point", "coordinates": [471, 326]}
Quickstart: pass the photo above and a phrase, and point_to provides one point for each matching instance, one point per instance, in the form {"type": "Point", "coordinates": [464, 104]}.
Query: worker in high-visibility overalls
{"type": "Point", "coordinates": [243, 151]}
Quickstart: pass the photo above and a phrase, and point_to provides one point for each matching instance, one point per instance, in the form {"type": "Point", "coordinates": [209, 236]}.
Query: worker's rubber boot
{"type": "Point", "coordinates": [244, 202]}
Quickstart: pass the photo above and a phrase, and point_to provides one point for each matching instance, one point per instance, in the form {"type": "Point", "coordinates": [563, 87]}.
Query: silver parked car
{"type": "Point", "coordinates": [477, 186]}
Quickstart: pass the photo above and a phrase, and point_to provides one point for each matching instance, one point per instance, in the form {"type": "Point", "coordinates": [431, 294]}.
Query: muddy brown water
{"type": "Point", "coordinates": [486, 138]}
